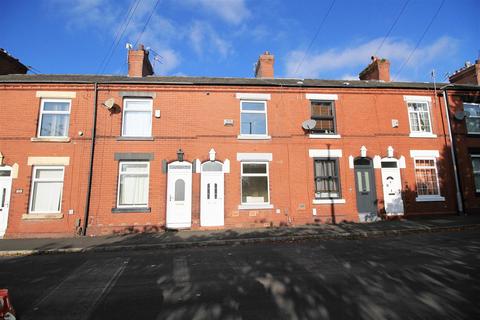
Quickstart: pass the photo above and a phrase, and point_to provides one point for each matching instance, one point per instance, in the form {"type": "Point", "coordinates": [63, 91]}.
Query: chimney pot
{"type": "Point", "coordinates": [138, 63]}
{"type": "Point", "coordinates": [264, 66]}
{"type": "Point", "coordinates": [378, 69]}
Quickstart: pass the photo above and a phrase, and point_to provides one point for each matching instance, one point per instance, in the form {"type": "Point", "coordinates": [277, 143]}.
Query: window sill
{"type": "Point", "coordinates": [328, 201]}
{"type": "Point", "coordinates": [429, 198]}
{"type": "Point", "coordinates": [135, 139]}
{"type": "Point", "coordinates": [132, 210]}
{"type": "Point", "coordinates": [473, 134]}
{"type": "Point", "coordinates": [50, 139]}
{"type": "Point", "coordinates": [41, 216]}
{"type": "Point", "coordinates": [324, 136]}
{"type": "Point", "coordinates": [253, 137]}
{"type": "Point", "coordinates": [422, 135]}
{"type": "Point", "coordinates": [258, 206]}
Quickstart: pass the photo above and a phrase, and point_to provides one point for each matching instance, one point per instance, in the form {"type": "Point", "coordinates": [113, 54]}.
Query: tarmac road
{"type": "Point", "coordinates": [424, 276]}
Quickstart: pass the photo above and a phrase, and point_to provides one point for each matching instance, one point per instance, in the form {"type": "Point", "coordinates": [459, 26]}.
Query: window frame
{"type": "Point", "coordinates": [466, 118]}
{"type": "Point", "coordinates": [120, 173]}
{"type": "Point", "coordinates": [475, 156]}
{"type": "Point", "coordinates": [435, 167]}
{"type": "Point", "coordinates": [32, 187]}
{"type": "Point", "coordinates": [242, 174]}
{"type": "Point", "coordinates": [124, 110]}
{"type": "Point", "coordinates": [42, 112]}
{"type": "Point", "coordinates": [252, 135]}
{"type": "Point", "coordinates": [420, 133]}
{"type": "Point", "coordinates": [333, 117]}
{"type": "Point", "coordinates": [337, 170]}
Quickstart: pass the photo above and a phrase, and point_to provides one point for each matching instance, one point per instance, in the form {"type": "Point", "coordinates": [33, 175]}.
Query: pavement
{"type": "Point", "coordinates": [195, 238]}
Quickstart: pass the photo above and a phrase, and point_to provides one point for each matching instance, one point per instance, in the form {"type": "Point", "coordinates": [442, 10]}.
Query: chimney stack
{"type": "Point", "coordinates": [470, 74]}
{"type": "Point", "coordinates": [264, 66]}
{"type": "Point", "coordinates": [138, 63]}
{"type": "Point", "coordinates": [378, 69]}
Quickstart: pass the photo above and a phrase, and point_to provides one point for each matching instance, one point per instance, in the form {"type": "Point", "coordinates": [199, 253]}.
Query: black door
{"type": "Point", "coordinates": [365, 186]}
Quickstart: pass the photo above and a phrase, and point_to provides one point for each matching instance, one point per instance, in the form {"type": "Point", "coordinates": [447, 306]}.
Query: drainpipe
{"type": "Point", "coordinates": [90, 173]}
{"type": "Point", "coordinates": [454, 156]}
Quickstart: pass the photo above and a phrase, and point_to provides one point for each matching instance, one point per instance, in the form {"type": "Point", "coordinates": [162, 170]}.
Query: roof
{"type": "Point", "coordinates": [166, 80]}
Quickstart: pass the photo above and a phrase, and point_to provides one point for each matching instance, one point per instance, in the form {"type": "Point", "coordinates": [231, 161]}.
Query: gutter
{"type": "Point", "coordinates": [460, 200]}
{"type": "Point", "coordinates": [90, 173]}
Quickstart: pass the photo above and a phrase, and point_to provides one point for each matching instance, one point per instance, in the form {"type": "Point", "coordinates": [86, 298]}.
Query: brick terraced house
{"type": "Point", "coordinates": [95, 155]}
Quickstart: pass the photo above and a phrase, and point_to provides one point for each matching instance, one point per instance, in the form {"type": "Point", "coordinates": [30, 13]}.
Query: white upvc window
{"type": "Point", "coordinates": [54, 118]}
{"type": "Point", "coordinates": [426, 176]}
{"type": "Point", "coordinates": [255, 183]}
{"type": "Point", "coordinates": [137, 118]}
{"type": "Point", "coordinates": [472, 111]}
{"type": "Point", "coordinates": [133, 184]}
{"type": "Point", "coordinates": [253, 119]}
{"type": "Point", "coordinates": [47, 187]}
{"type": "Point", "coordinates": [476, 170]}
{"type": "Point", "coordinates": [419, 117]}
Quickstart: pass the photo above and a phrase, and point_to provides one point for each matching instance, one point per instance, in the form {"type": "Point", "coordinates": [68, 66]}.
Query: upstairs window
{"type": "Point", "coordinates": [323, 112]}
{"type": "Point", "coordinates": [472, 111]}
{"type": "Point", "coordinates": [327, 184]}
{"type": "Point", "coordinates": [54, 118]}
{"type": "Point", "coordinates": [253, 118]}
{"type": "Point", "coordinates": [426, 176]}
{"type": "Point", "coordinates": [419, 116]}
{"type": "Point", "coordinates": [137, 118]}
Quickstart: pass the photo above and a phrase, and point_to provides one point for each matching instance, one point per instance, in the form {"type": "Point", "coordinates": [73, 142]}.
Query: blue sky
{"type": "Point", "coordinates": [225, 37]}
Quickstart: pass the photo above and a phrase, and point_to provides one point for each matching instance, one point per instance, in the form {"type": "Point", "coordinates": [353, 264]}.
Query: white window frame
{"type": "Point", "coordinates": [421, 198]}
{"type": "Point", "coordinates": [254, 136]}
{"type": "Point", "coordinates": [475, 156]}
{"type": "Point", "coordinates": [466, 126]}
{"type": "Point", "coordinates": [42, 112]}
{"type": "Point", "coordinates": [32, 188]}
{"type": "Point", "coordinates": [259, 205]}
{"type": "Point", "coordinates": [150, 109]}
{"type": "Point", "coordinates": [420, 134]}
{"type": "Point", "coordinates": [120, 173]}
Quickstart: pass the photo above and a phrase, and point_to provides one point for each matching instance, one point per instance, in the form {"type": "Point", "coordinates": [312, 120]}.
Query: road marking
{"type": "Point", "coordinates": [80, 292]}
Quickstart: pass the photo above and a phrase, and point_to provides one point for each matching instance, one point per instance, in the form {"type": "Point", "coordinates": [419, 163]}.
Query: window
{"type": "Point", "coordinates": [426, 176]}
{"type": "Point", "coordinates": [253, 118]}
{"type": "Point", "coordinates": [137, 118]}
{"type": "Point", "coordinates": [327, 184]}
{"type": "Point", "coordinates": [419, 116]}
{"type": "Point", "coordinates": [476, 170]}
{"type": "Point", "coordinates": [472, 111]}
{"type": "Point", "coordinates": [133, 179]}
{"type": "Point", "coordinates": [54, 118]}
{"type": "Point", "coordinates": [255, 183]}
{"type": "Point", "coordinates": [324, 113]}
{"type": "Point", "coordinates": [47, 186]}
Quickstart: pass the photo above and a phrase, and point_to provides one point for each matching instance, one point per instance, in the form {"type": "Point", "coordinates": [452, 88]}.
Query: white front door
{"type": "Point", "coordinates": [5, 188]}
{"type": "Point", "coordinates": [212, 195]}
{"type": "Point", "coordinates": [392, 187]}
{"type": "Point", "coordinates": [179, 195]}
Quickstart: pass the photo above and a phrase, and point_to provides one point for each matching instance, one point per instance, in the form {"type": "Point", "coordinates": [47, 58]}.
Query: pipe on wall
{"type": "Point", "coordinates": [92, 153]}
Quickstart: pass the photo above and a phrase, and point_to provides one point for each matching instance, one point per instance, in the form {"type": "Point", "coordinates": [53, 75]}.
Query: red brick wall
{"type": "Point", "coordinates": [192, 119]}
{"type": "Point", "coordinates": [18, 124]}
{"type": "Point", "coordinates": [465, 144]}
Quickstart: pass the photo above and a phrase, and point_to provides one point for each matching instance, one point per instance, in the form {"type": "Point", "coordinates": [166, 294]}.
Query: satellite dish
{"type": "Point", "coordinates": [460, 115]}
{"type": "Point", "coordinates": [109, 103]}
{"type": "Point", "coordinates": [309, 124]}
